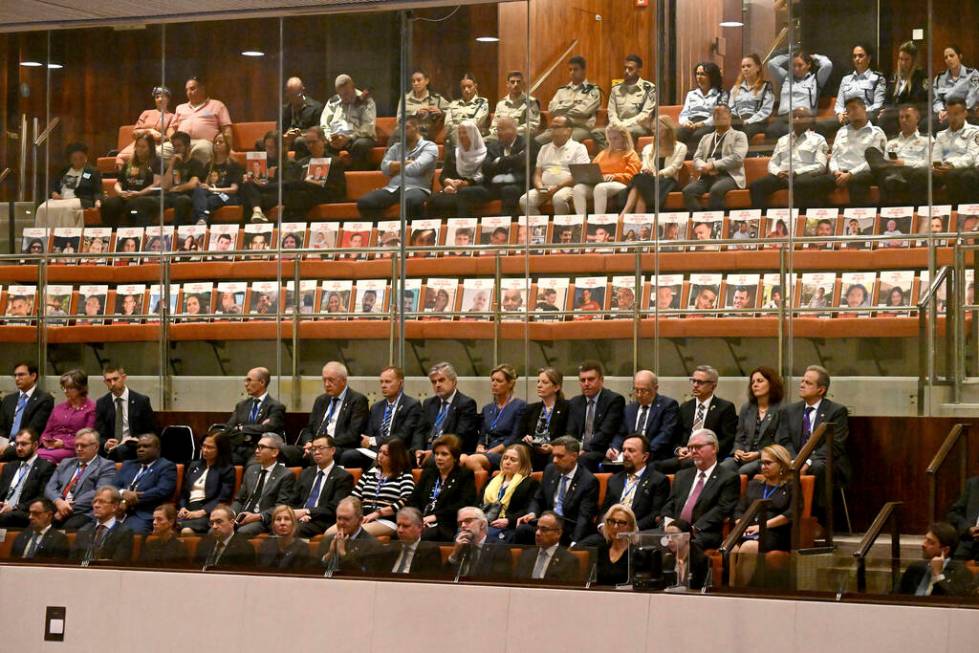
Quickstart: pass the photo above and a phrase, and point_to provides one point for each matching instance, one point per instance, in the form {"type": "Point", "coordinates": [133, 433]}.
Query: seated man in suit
{"type": "Point", "coordinates": [340, 412]}
{"type": "Point", "coordinates": [472, 556]}
{"type": "Point", "coordinates": [718, 163]}
{"type": "Point", "coordinates": [352, 549]}
{"type": "Point", "coordinates": [23, 481]}
{"type": "Point", "coordinates": [937, 574]}
{"type": "Point", "coordinates": [548, 560]}
{"type": "Point", "coordinates": [145, 483]}
{"type": "Point", "coordinates": [594, 416]}
{"type": "Point", "coordinates": [105, 538]}
{"type": "Point", "coordinates": [652, 415]}
{"type": "Point", "coordinates": [224, 548]}
{"type": "Point", "coordinates": [568, 489]}
{"type": "Point", "coordinates": [395, 416]}
{"type": "Point", "coordinates": [121, 416]}
{"type": "Point", "coordinates": [446, 411]}
{"type": "Point", "coordinates": [72, 485]}
{"type": "Point", "coordinates": [265, 485]}
{"type": "Point", "coordinates": [255, 416]}
{"type": "Point", "coordinates": [964, 516]}
{"type": "Point", "coordinates": [704, 411]}
{"type": "Point", "coordinates": [321, 487]}
{"type": "Point", "coordinates": [410, 555]}
{"type": "Point", "coordinates": [41, 541]}
{"type": "Point", "coordinates": [29, 407]}
{"type": "Point", "coordinates": [703, 495]}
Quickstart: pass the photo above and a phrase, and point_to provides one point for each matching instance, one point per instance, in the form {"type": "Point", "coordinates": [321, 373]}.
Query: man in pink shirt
{"type": "Point", "coordinates": [203, 118]}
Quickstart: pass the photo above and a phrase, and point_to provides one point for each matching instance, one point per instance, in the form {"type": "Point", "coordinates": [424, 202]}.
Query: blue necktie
{"type": "Point", "coordinates": [252, 416]}
{"type": "Point", "coordinates": [806, 426]}
{"type": "Point", "coordinates": [561, 489]}
{"type": "Point", "coordinates": [443, 411]}
{"type": "Point", "coordinates": [386, 422]}
{"type": "Point", "coordinates": [18, 414]}
{"type": "Point", "coordinates": [324, 428]}
{"type": "Point", "coordinates": [314, 494]}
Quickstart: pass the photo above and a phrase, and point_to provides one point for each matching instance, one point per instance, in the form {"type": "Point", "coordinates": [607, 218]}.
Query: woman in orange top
{"type": "Point", "coordinates": [619, 163]}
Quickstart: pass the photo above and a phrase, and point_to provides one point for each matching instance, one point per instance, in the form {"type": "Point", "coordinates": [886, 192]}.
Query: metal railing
{"type": "Point", "coordinates": [756, 512]}
{"type": "Point", "coordinates": [959, 433]}
{"type": "Point", "coordinates": [889, 514]}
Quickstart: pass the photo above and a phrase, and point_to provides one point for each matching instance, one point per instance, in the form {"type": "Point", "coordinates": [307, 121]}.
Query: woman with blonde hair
{"type": "Point", "coordinates": [663, 159]}
{"type": "Point", "coordinates": [612, 556]}
{"type": "Point", "coordinates": [284, 551]}
{"type": "Point", "coordinates": [618, 162]}
{"type": "Point", "coordinates": [502, 419]}
{"type": "Point", "coordinates": [508, 495]}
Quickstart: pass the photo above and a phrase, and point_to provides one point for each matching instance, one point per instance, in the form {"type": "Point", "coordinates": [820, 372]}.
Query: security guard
{"type": "Point", "coordinates": [578, 100]}
{"type": "Point", "coordinates": [468, 107]}
{"type": "Point", "coordinates": [862, 82]}
{"type": "Point", "coordinates": [955, 154]}
{"type": "Point", "coordinates": [902, 169]}
{"type": "Point", "coordinates": [809, 75]}
{"type": "Point", "coordinates": [348, 121]}
{"type": "Point", "coordinates": [524, 109]}
{"type": "Point", "coordinates": [958, 81]}
{"type": "Point", "coordinates": [630, 103]}
{"type": "Point", "coordinates": [424, 104]}
{"type": "Point", "coordinates": [752, 99]}
{"type": "Point", "coordinates": [697, 114]}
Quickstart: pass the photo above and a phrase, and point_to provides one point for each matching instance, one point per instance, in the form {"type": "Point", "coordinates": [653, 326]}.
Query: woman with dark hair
{"type": "Point", "coordinates": [78, 186]}
{"type": "Point", "coordinates": [758, 419]}
{"type": "Point", "coordinates": [283, 551]}
{"type": "Point", "coordinates": [207, 482]}
{"type": "Point", "coordinates": [957, 81]}
{"type": "Point", "coordinates": [508, 494]}
{"type": "Point", "coordinates": [502, 419]}
{"type": "Point", "coordinates": [546, 419]}
{"type": "Point", "coordinates": [162, 547]}
{"type": "Point", "coordinates": [697, 115]}
{"type": "Point", "coordinates": [154, 123]}
{"type": "Point", "coordinates": [864, 83]}
{"type": "Point", "coordinates": [442, 489]}
{"type": "Point", "coordinates": [137, 189]}
{"type": "Point", "coordinates": [427, 106]}
{"type": "Point", "coordinates": [752, 98]}
{"type": "Point", "coordinates": [810, 72]}
{"type": "Point", "coordinates": [384, 489]}
{"type": "Point", "coordinates": [76, 413]}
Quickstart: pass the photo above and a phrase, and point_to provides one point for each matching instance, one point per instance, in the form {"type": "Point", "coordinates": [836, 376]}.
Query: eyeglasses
{"type": "Point", "coordinates": [696, 447]}
{"type": "Point", "coordinates": [701, 381]}
{"type": "Point", "coordinates": [617, 522]}
{"type": "Point", "coordinates": [263, 446]}
{"type": "Point", "coordinates": [642, 391]}
{"type": "Point", "coordinates": [320, 448]}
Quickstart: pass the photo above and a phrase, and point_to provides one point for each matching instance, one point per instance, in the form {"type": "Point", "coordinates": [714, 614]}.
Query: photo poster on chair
{"type": "Point", "coordinates": [513, 299]}
{"type": "Point", "coordinates": [91, 304]}
{"type": "Point", "coordinates": [857, 292]}
{"type": "Point", "coordinates": [532, 233]}
{"type": "Point", "coordinates": [637, 227]}
{"type": "Point", "coordinates": [706, 226]}
{"type": "Point", "coordinates": [292, 235]}
{"type": "Point", "coordinates": [896, 291]}
{"type": "Point", "coordinates": [129, 303]}
{"type": "Point", "coordinates": [96, 240]}
{"type": "Point", "coordinates": [388, 238]}
{"type": "Point", "coordinates": [195, 300]}
{"type": "Point", "coordinates": [258, 237]}
{"type": "Point", "coordinates": [460, 233]}
{"type": "Point", "coordinates": [34, 240]}
{"type": "Point", "coordinates": [323, 235]}
{"type": "Point", "coordinates": [494, 230]}
{"type": "Point", "coordinates": [157, 239]}
{"type": "Point", "coordinates": [745, 225]}
{"type": "Point", "coordinates": [567, 231]}
{"type": "Point", "coordinates": [20, 307]}
{"type": "Point", "coordinates": [223, 238]}
{"type": "Point", "coordinates": [818, 291]}
{"type": "Point", "coordinates": [741, 292]}
{"type": "Point", "coordinates": [773, 295]}
{"type": "Point", "coordinates": [57, 304]}
{"type": "Point", "coordinates": [895, 221]}
{"type": "Point", "coordinates": [66, 240]}
{"type": "Point", "coordinates": [673, 226]}
{"type": "Point", "coordinates": [705, 292]}
{"type": "Point", "coordinates": [263, 298]}
{"type": "Point", "coordinates": [371, 298]}
{"type": "Point", "coordinates": [601, 228]}
{"type": "Point", "coordinates": [944, 212]}
{"type": "Point", "coordinates": [967, 223]}
{"type": "Point", "coordinates": [666, 293]}
{"type": "Point", "coordinates": [335, 298]}
{"type": "Point", "coordinates": [625, 297]}
{"type": "Point", "coordinates": [477, 299]}
{"type": "Point", "coordinates": [307, 297]}
{"type": "Point", "coordinates": [231, 299]}
{"type": "Point", "coordinates": [128, 241]}
{"type": "Point", "coordinates": [778, 224]}
{"type": "Point", "coordinates": [190, 239]}
{"type": "Point", "coordinates": [411, 294]}
{"type": "Point", "coordinates": [256, 166]}
{"type": "Point", "coordinates": [355, 235]}
{"type": "Point", "coordinates": [551, 297]}
{"type": "Point", "coordinates": [858, 222]}
{"type": "Point", "coordinates": [440, 298]}
{"type": "Point", "coordinates": [424, 233]}
{"type": "Point", "coordinates": [156, 301]}
{"type": "Point", "coordinates": [589, 297]}
{"type": "Point", "coordinates": [820, 223]}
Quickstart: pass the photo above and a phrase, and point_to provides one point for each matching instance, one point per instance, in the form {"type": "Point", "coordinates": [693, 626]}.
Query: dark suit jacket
{"type": "Point", "coordinates": [836, 415]}
{"type": "Point", "coordinates": [89, 185]}
{"type": "Point", "coordinates": [404, 424]}
{"type": "Point", "coordinates": [53, 546]}
{"type": "Point", "coordinates": [744, 438]}
{"type": "Point", "coordinates": [515, 164]}
{"type": "Point", "coordinates": [963, 515]}
{"type": "Point", "coordinates": [156, 486]}
{"type": "Point", "coordinates": [36, 412]}
{"type": "Point", "coordinates": [721, 418]}
{"type": "Point", "coordinates": [237, 555]}
{"type": "Point", "coordinates": [337, 484]}
{"type": "Point", "coordinates": [580, 501]}
{"type": "Point", "coordinates": [488, 561]}
{"type": "Point", "coordinates": [427, 560]}
{"type": "Point", "coordinates": [32, 485]}
{"type": "Point", "coordinates": [166, 553]}
{"type": "Point", "coordinates": [609, 410]}
{"type": "Point", "coordinates": [361, 557]}
{"type": "Point", "coordinates": [563, 567]}
{"type": "Point", "coordinates": [661, 425]}
{"type": "Point", "coordinates": [717, 501]}
{"type": "Point", "coordinates": [117, 545]}
{"type": "Point", "coordinates": [351, 421]}
{"type": "Point", "coordinates": [218, 488]}
{"type": "Point", "coordinates": [142, 419]}
{"type": "Point", "coordinates": [957, 581]}
{"type": "Point", "coordinates": [295, 556]}
{"type": "Point", "coordinates": [99, 472]}
{"type": "Point", "coordinates": [459, 491]}
{"type": "Point", "coordinates": [279, 488]}
{"type": "Point", "coordinates": [461, 420]}
{"type": "Point", "coordinates": [649, 499]}
{"type": "Point", "coordinates": [558, 425]}
{"type": "Point", "coordinates": [915, 93]}
{"type": "Point", "coordinates": [246, 432]}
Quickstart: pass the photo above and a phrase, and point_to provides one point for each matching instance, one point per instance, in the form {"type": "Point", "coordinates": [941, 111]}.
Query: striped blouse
{"type": "Point", "coordinates": [376, 493]}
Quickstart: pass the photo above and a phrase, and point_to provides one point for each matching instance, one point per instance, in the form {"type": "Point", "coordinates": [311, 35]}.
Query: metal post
{"type": "Point", "coordinates": [497, 327]}
{"type": "Point", "coordinates": [297, 296]}
{"type": "Point", "coordinates": [403, 272]}
{"type": "Point", "coordinates": [636, 315]}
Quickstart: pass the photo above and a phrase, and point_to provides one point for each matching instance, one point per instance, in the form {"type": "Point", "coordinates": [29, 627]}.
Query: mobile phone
{"type": "Point", "coordinates": [892, 155]}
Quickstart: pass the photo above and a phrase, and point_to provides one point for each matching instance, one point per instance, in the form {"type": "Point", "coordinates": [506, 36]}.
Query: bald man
{"type": "Point", "coordinates": [254, 416]}
{"type": "Point", "coordinates": [299, 113]}
{"type": "Point", "coordinates": [650, 414]}
{"type": "Point", "coordinates": [340, 412]}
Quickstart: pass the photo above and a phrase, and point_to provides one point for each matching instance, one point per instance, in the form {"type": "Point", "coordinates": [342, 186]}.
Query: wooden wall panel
{"type": "Point", "coordinates": [697, 29]}
{"type": "Point", "coordinates": [954, 22]}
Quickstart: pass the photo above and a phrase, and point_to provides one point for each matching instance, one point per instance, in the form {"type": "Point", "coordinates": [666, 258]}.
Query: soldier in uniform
{"type": "Point", "coordinates": [579, 100]}
{"type": "Point", "coordinates": [864, 83]}
{"type": "Point", "coordinates": [348, 122]}
{"type": "Point", "coordinates": [958, 81]}
{"type": "Point", "coordinates": [908, 85]}
{"type": "Point", "coordinates": [524, 110]}
{"type": "Point", "coordinates": [468, 107]}
{"type": "Point", "coordinates": [630, 103]}
{"type": "Point", "coordinates": [427, 106]}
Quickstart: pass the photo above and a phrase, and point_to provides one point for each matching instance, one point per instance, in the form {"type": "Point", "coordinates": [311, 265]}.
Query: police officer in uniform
{"type": "Point", "coordinates": [864, 83]}
{"type": "Point", "coordinates": [427, 106]}
{"type": "Point", "coordinates": [809, 75]}
{"type": "Point", "coordinates": [524, 109]}
{"type": "Point", "coordinates": [630, 103]}
{"type": "Point", "coordinates": [958, 81]}
{"type": "Point", "coordinates": [468, 107]}
{"type": "Point", "coordinates": [955, 155]}
{"type": "Point", "coordinates": [902, 170]}
{"type": "Point", "coordinates": [578, 100]}
{"type": "Point", "coordinates": [348, 122]}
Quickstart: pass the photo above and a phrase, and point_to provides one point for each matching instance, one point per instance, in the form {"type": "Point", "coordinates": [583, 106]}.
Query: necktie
{"type": "Point", "coordinates": [629, 492]}
{"type": "Point", "coordinates": [252, 416]}
{"type": "Point", "coordinates": [589, 422]}
{"type": "Point", "coordinates": [687, 513]}
{"type": "Point", "coordinates": [31, 548]}
{"type": "Point", "coordinates": [643, 416]}
{"type": "Point", "coordinates": [698, 421]}
{"type": "Point", "coordinates": [443, 411]}
{"type": "Point", "coordinates": [97, 541]}
{"type": "Point", "coordinates": [216, 553]}
{"type": "Point", "coordinates": [402, 567]}
{"type": "Point", "coordinates": [118, 430]}
{"type": "Point", "coordinates": [806, 426]}
{"type": "Point", "coordinates": [386, 422]}
{"type": "Point", "coordinates": [540, 566]}
{"type": "Point", "coordinates": [924, 586]}
{"type": "Point", "coordinates": [257, 494]}
{"type": "Point", "coordinates": [18, 414]}
{"type": "Point", "coordinates": [561, 490]}
{"type": "Point", "coordinates": [325, 426]}
{"type": "Point", "coordinates": [74, 479]}
{"type": "Point", "coordinates": [139, 475]}
{"type": "Point", "coordinates": [13, 495]}
{"type": "Point", "coordinates": [314, 494]}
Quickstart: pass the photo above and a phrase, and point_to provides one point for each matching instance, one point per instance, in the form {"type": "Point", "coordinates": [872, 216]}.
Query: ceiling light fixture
{"type": "Point", "coordinates": [487, 39]}
{"type": "Point", "coordinates": [31, 64]}
{"type": "Point", "coordinates": [253, 53]}
{"type": "Point", "coordinates": [731, 23]}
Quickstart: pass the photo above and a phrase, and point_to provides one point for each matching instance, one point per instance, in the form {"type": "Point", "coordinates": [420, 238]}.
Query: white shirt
{"type": "Point", "coordinates": [913, 149]}
{"type": "Point", "coordinates": [555, 162]}
{"type": "Point", "coordinates": [706, 475]}
{"type": "Point", "coordinates": [197, 491]}
{"type": "Point", "coordinates": [393, 407]}
{"type": "Point", "coordinates": [850, 145]}
{"type": "Point", "coordinates": [19, 476]}
{"type": "Point", "coordinates": [958, 149]}
{"type": "Point", "coordinates": [331, 427]}
{"type": "Point", "coordinates": [125, 411]}
{"type": "Point", "coordinates": [809, 153]}
{"type": "Point", "coordinates": [549, 556]}
{"type": "Point", "coordinates": [706, 404]}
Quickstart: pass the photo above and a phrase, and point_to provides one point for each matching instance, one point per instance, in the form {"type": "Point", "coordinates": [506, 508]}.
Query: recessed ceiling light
{"type": "Point", "coordinates": [31, 64]}
{"type": "Point", "coordinates": [55, 66]}
{"type": "Point", "coordinates": [487, 39]}
{"type": "Point", "coordinates": [253, 53]}
{"type": "Point", "coordinates": [731, 23]}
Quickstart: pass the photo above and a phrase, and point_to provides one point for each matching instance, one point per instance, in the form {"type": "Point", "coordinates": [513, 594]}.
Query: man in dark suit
{"type": "Point", "coordinates": [409, 554]}
{"type": "Point", "coordinates": [638, 485]}
{"type": "Point", "coordinates": [568, 489]}
{"type": "Point", "coordinates": [964, 516]}
{"type": "Point", "coordinates": [594, 416]}
{"type": "Point", "coordinates": [937, 574]}
{"type": "Point", "coordinates": [255, 416]}
{"type": "Point", "coordinates": [224, 548]}
{"type": "Point", "coordinates": [22, 482]}
{"type": "Point", "coordinates": [704, 411]}
{"type": "Point", "coordinates": [652, 415]}
{"type": "Point", "coordinates": [396, 416]}
{"type": "Point", "coordinates": [145, 483]}
{"type": "Point", "coordinates": [446, 411]}
{"type": "Point", "coordinates": [72, 485]}
{"type": "Point", "coordinates": [351, 549]}
{"type": "Point", "coordinates": [41, 541]}
{"type": "Point", "coordinates": [105, 538]}
{"type": "Point", "coordinates": [321, 487]}
{"type": "Point", "coordinates": [121, 416]}
{"type": "Point", "coordinates": [548, 561]}
{"type": "Point", "coordinates": [29, 407]}
{"type": "Point", "coordinates": [340, 412]}
{"type": "Point", "coordinates": [265, 485]}
{"type": "Point", "coordinates": [472, 556]}
{"type": "Point", "coordinates": [505, 168]}
{"type": "Point", "coordinates": [703, 495]}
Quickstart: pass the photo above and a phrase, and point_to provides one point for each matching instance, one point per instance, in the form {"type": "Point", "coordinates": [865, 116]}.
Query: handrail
{"type": "Point", "coordinates": [757, 511]}
{"type": "Point", "coordinates": [959, 432]}
{"type": "Point", "coordinates": [550, 69]}
{"type": "Point", "coordinates": [926, 348]}
{"type": "Point", "coordinates": [890, 513]}
{"type": "Point", "coordinates": [821, 433]}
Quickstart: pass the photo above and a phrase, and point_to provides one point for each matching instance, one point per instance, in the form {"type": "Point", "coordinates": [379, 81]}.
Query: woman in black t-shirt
{"type": "Point", "coordinates": [220, 187]}
{"type": "Point", "coordinates": [136, 201]}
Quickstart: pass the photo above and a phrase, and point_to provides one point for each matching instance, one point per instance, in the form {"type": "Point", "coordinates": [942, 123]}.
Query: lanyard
{"type": "Point", "coordinates": [499, 413]}
{"type": "Point", "coordinates": [769, 490]}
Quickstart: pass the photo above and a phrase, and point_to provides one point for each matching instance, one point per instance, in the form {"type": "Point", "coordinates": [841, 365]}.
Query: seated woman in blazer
{"type": "Point", "coordinates": [284, 551]}
{"type": "Point", "coordinates": [508, 494]}
{"type": "Point", "coordinates": [207, 482]}
{"type": "Point", "coordinates": [442, 489]}
{"type": "Point", "coordinates": [502, 419]}
{"type": "Point", "coordinates": [546, 419]}
{"type": "Point", "coordinates": [757, 420]}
